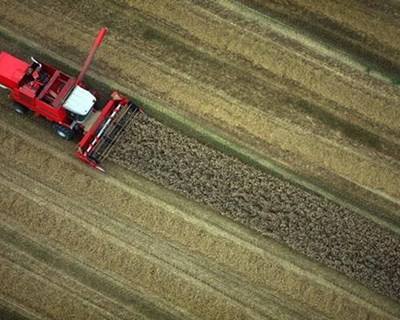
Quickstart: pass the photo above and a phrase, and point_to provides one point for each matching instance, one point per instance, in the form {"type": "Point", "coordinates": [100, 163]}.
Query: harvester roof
{"type": "Point", "coordinates": [80, 101]}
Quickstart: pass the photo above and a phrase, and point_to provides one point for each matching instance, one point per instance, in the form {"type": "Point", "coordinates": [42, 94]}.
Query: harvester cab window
{"type": "Point", "coordinates": [28, 77]}
{"type": "Point", "coordinates": [36, 66]}
{"type": "Point", "coordinates": [35, 77]}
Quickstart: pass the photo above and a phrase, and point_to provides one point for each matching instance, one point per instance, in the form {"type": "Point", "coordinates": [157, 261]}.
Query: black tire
{"type": "Point", "coordinates": [96, 106]}
{"type": "Point", "coordinates": [20, 109]}
{"type": "Point", "coordinates": [78, 131]}
{"type": "Point", "coordinates": [64, 132]}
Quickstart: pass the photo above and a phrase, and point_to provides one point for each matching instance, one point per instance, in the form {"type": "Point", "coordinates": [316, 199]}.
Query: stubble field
{"type": "Point", "coordinates": [283, 203]}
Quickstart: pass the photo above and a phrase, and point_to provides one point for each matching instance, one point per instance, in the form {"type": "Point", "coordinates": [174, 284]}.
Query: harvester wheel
{"type": "Point", "coordinates": [64, 132]}
{"type": "Point", "coordinates": [20, 109]}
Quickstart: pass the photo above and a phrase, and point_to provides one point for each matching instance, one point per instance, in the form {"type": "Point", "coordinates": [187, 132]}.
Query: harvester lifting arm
{"type": "Point", "coordinates": [96, 44]}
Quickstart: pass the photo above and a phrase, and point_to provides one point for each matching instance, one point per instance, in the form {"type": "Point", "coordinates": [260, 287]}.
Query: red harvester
{"type": "Point", "coordinates": [68, 103]}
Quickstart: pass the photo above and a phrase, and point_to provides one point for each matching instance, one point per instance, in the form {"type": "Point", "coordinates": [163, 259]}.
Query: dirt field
{"type": "Point", "coordinates": [154, 238]}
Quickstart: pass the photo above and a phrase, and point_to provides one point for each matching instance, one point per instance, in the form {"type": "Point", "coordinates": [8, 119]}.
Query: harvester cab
{"type": "Point", "coordinates": [68, 103]}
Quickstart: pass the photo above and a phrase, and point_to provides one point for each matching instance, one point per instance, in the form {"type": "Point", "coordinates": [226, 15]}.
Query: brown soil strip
{"type": "Point", "coordinates": [306, 222]}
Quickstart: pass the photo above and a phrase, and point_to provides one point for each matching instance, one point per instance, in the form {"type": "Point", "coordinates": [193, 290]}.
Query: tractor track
{"type": "Point", "coordinates": [18, 283]}
{"type": "Point", "coordinates": [11, 311]}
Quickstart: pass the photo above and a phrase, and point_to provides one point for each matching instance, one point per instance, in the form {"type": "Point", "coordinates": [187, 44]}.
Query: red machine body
{"type": "Point", "coordinates": [66, 101]}
{"type": "Point", "coordinates": [16, 75]}
{"type": "Point", "coordinates": [12, 70]}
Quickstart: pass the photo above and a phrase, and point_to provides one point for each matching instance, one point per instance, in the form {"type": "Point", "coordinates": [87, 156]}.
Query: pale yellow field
{"type": "Point", "coordinates": [134, 249]}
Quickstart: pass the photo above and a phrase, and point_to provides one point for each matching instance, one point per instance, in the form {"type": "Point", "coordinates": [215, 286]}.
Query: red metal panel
{"type": "Point", "coordinates": [26, 99]}
{"type": "Point", "coordinates": [12, 70]}
{"type": "Point", "coordinates": [58, 115]}
{"type": "Point", "coordinates": [64, 92]}
{"type": "Point", "coordinates": [49, 84]}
